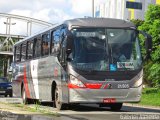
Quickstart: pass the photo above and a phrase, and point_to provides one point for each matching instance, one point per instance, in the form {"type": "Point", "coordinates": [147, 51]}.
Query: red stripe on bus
{"type": "Point", "coordinates": [26, 83]}
{"type": "Point", "coordinates": [93, 85]}
{"type": "Point", "coordinates": [106, 86]}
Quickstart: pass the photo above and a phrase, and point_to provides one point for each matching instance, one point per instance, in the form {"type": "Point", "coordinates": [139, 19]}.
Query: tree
{"type": "Point", "coordinates": [151, 25]}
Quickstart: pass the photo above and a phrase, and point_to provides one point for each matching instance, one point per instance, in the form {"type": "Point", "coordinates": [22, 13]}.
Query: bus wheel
{"type": "Point", "coordinates": [116, 106]}
{"type": "Point", "coordinates": [24, 98]}
{"type": "Point", "coordinates": [58, 104]}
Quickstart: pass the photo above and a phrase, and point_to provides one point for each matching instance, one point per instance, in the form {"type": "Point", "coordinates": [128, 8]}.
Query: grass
{"type": "Point", "coordinates": [36, 108]}
{"type": "Point", "coordinates": [151, 97]}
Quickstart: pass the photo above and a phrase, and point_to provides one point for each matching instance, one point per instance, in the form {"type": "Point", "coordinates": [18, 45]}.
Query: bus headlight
{"type": "Point", "coordinates": [138, 82]}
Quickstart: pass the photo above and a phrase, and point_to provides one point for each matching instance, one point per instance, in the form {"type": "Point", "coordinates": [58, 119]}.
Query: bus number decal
{"type": "Point", "coordinates": [123, 86]}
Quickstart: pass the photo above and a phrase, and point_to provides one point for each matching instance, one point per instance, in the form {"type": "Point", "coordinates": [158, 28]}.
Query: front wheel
{"type": "Point", "coordinates": [24, 98]}
{"type": "Point", "coordinates": [58, 104]}
{"type": "Point", "coordinates": [116, 106]}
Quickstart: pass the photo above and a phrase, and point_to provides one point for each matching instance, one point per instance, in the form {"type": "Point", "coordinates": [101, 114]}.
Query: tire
{"type": "Point", "coordinates": [5, 95]}
{"type": "Point", "coordinates": [24, 97]}
{"type": "Point", "coordinates": [58, 104]}
{"type": "Point", "coordinates": [116, 106]}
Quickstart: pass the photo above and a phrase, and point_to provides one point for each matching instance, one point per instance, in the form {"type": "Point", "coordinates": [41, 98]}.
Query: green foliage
{"type": "Point", "coordinates": [137, 22]}
{"type": "Point", "coordinates": [151, 25]}
{"type": "Point", "coordinates": [154, 75]}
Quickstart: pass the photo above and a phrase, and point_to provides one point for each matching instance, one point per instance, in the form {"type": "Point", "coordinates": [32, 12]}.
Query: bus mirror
{"type": "Point", "coordinates": [68, 51]}
{"type": "Point", "coordinates": [148, 46]}
{"type": "Point", "coordinates": [148, 43]}
{"type": "Point", "coordinates": [69, 44]}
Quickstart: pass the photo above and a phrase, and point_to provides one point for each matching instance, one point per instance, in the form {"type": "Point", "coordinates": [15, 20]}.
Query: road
{"type": "Point", "coordinates": [87, 112]}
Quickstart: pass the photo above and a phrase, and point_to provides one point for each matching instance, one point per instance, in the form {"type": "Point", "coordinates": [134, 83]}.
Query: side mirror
{"type": "Point", "coordinates": [148, 44]}
{"type": "Point", "coordinates": [69, 42]}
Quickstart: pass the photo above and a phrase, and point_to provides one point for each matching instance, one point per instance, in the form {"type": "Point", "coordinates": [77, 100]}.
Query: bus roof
{"type": "Point", "coordinates": [99, 22]}
{"type": "Point", "coordinates": [89, 22]}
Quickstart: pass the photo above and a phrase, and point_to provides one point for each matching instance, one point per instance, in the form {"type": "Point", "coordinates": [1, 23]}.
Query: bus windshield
{"type": "Point", "coordinates": [105, 49]}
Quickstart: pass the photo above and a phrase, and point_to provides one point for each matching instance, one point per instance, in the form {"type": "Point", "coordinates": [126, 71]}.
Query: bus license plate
{"type": "Point", "coordinates": [109, 100]}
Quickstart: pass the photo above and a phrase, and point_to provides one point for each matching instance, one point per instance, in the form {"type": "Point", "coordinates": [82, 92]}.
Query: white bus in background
{"type": "Point", "coordinates": [86, 60]}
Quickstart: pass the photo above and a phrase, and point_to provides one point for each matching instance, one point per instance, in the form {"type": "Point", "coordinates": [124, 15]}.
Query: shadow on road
{"type": "Point", "coordinates": [139, 109]}
{"type": "Point", "coordinates": [94, 108]}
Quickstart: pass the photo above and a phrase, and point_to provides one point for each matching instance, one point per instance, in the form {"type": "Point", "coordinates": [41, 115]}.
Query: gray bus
{"type": "Point", "coordinates": [83, 60]}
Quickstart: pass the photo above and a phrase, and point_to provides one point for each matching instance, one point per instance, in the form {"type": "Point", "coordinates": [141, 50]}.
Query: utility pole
{"type": "Point", "coordinates": [93, 8]}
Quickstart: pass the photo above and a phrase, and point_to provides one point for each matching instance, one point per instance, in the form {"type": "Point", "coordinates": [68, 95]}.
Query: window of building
{"type": "Point", "coordinates": [45, 44]}
{"type": "Point", "coordinates": [134, 5]}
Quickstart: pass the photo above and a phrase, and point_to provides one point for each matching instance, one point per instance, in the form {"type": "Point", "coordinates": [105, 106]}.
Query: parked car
{"type": "Point", "coordinates": [5, 87]}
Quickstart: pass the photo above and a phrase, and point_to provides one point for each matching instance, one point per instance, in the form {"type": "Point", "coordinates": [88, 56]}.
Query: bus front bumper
{"type": "Point", "coordinates": [99, 95]}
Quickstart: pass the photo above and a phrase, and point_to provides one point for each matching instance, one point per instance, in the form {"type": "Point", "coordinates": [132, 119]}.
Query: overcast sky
{"type": "Point", "coordinates": [48, 10]}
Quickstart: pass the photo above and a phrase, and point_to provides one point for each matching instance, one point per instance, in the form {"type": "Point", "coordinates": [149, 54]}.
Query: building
{"type": "Point", "coordinates": [124, 9]}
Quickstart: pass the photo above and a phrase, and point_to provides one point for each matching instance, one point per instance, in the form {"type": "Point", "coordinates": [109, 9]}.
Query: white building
{"type": "Point", "coordinates": [124, 9]}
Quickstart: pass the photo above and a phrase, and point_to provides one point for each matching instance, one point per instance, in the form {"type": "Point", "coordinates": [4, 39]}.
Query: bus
{"type": "Point", "coordinates": [81, 61]}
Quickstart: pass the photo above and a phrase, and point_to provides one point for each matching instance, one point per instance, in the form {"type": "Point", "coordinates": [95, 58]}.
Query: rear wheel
{"type": "Point", "coordinates": [116, 106]}
{"type": "Point", "coordinates": [58, 104]}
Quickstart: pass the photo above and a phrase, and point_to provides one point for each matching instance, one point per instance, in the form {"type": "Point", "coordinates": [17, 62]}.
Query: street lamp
{"type": "Point", "coordinates": [8, 26]}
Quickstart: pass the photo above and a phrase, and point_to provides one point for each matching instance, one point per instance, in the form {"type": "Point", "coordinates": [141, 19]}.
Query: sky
{"type": "Point", "coordinates": [53, 11]}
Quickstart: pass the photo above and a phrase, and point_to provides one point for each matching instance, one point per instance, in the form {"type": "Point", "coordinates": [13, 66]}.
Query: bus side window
{"type": "Point", "coordinates": [30, 49]}
{"type": "Point", "coordinates": [18, 53]}
{"type": "Point", "coordinates": [23, 55]}
{"type": "Point", "coordinates": [62, 55]}
{"type": "Point", "coordinates": [34, 47]}
{"type": "Point", "coordinates": [55, 41]}
{"type": "Point", "coordinates": [15, 54]}
{"type": "Point", "coordinates": [37, 47]}
{"type": "Point", "coordinates": [45, 44]}
{"type": "Point", "coordinates": [52, 43]}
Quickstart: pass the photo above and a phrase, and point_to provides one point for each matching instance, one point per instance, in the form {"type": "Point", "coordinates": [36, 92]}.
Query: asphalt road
{"type": "Point", "coordinates": [88, 112]}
